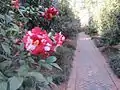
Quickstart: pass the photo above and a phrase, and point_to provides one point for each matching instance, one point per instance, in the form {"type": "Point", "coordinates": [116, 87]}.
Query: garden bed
{"type": "Point", "coordinates": [37, 44]}
{"type": "Point", "coordinates": [113, 56]}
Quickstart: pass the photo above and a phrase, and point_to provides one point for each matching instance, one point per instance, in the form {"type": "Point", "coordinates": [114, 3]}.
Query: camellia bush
{"type": "Point", "coordinates": [27, 44]}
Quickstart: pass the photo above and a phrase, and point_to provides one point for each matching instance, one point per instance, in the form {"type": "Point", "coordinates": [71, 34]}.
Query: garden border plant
{"type": "Point", "coordinates": [26, 57]}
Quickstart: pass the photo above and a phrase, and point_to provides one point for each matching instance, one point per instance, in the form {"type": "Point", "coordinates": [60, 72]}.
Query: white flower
{"type": "Point", "coordinates": [47, 48]}
{"type": "Point", "coordinates": [63, 38]}
{"type": "Point", "coordinates": [30, 33]}
{"type": "Point", "coordinates": [48, 44]}
{"type": "Point", "coordinates": [31, 47]}
{"type": "Point", "coordinates": [43, 40]}
{"type": "Point", "coordinates": [29, 41]}
{"type": "Point", "coordinates": [39, 36]}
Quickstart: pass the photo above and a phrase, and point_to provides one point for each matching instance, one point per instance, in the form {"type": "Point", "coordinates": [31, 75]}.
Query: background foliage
{"type": "Point", "coordinates": [106, 22]}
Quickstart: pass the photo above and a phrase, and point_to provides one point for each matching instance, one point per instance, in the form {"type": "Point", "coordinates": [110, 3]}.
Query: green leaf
{"type": "Point", "coordinates": [6, 48]}
{"type": "Point", "coordinates": [51, 59]}
{"type": "Point", "coordinates": [3, 85]}
{"type": "Point", "coordinates": [31, 12]}
{"type": "Point", "coordinates": [14, 28]}
{"type": "Point", "coordinates": [47, 66]}
{"type": "Point", "coordinates": [55, 65]}
{"type": "Point", "coordinates": [2, 32]}
{"type": "Point", "coordinates": [44, 64]}
{"type": "Point", "coordinates": [2, 16]}
{"type": "Point", "coordinates": [21, 46]}
{"type": "Point", "coordinates": [22, 62]}
{"type": "Point", "coordinates": [8, 19]}
{"type": "Point", "coordinates": [31, 60]}
{"type": "Point", "coordinates": [23, 55]}
{"type": "Point", "coordinates": [15, 82]}
{"type": "Point", "coordinates": [49, 79]}
{"type": "Point", "coordinates": [23, 70]}
{"type": "Point", "coordinates": [5, 64]}
{"type": "Point", "coordinates": [2, 77]}
{"type": "Point", "coordinates": [38, 76]}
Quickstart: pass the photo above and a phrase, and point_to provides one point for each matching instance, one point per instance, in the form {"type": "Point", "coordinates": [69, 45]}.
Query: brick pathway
{"type": "Point", "coordinates": [90, 71]}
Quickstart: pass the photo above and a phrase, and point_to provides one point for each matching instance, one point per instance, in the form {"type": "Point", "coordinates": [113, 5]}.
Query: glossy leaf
{"type": "Point", "coordinates": [38, 76]}
{"type": "Point", "coordinates": [23, 70]}
{"type": "Point", "coordinates": [3, 85]}
{"type": "Point", "coordinates": [15, 28]}
{"type": "Point", "coordinates": [8, 19]}
{"type": "Point", "coordinates": [55, 65]}
{"type": "Point", "coordinates": [6, 48]}
{"type": "Point", "coordinates": [2, 16]}
{"type": "Point", "coordinates": [45, 65]}
{"type": "Point", "coordinates": [5, 64]}
{"type": "Point", "coordinates": [2, 32]}
{"type": "Point", "coordinates": [51, 59]}
{"type": "Point", "coordinates": [15, 82]}
{"type": "Point", "coordinates": [31, 60]}
{"type": "Point", "coordinates": [49, 79]}
{"type": "Point", "coordinates": [2, 77]}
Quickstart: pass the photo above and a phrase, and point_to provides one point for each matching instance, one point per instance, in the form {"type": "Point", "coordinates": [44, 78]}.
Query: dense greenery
{"type": "Point", "coordinates": [20, 70]}
{"type": "Point", "coordinates": [107, 22]}
{"type": "Point", "coordinates": [70, 28]}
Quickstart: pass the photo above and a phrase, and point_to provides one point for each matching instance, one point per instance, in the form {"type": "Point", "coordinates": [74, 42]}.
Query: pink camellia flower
{"type": "Point", "coordinates": [37, 42]}
{"type": "Point", "coordinates": [50, 13]}
{"type": "Point", "coordinates": [59, 38]}
{"type": "Point", "coordinates": [15, 4]}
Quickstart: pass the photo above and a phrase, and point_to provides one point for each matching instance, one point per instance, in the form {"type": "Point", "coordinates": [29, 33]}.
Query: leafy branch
{"type": "Point", "coordinates": [3, 56]}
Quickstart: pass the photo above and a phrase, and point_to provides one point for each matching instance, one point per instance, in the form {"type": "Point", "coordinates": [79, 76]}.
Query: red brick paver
{"type": "Point", "coordinates": [90, 71]}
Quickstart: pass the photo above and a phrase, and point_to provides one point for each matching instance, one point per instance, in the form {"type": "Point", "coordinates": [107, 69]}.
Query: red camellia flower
{"type": "Point", "coordinates": [37, 42]}
{"type": "Point", "coordinates": [15, 3]}
{"type": "Point", "coordinates": [50, 13]}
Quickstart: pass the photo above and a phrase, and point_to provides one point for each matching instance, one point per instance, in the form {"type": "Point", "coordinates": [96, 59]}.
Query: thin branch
{"type": "Point", "coordinates": [21, 13]}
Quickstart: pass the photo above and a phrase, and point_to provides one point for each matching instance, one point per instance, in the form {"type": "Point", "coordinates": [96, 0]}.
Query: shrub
{"type": "Point", "coordinates": [115, 64]}
{"type": "Point", "coordinates": [65, 58]}
{"type": "Point", "coordinates": [66, 22]}
{"type": "Point", "coordinates": [92, 29]}
{"type": "Point", "coordinates": [108, 22]}
{"type": "Point", "coordinates": [21, 65]}
{"type": "Point", "coordinates": [70, 28]}
{"type": "Point", "coordinates": [113, 59]}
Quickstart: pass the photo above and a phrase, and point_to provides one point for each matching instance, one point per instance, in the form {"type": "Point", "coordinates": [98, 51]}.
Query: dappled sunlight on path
{"type": "Point", "coordinates": [90, 71]}
{"type": "Point", "coordinates": [85, 38]}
